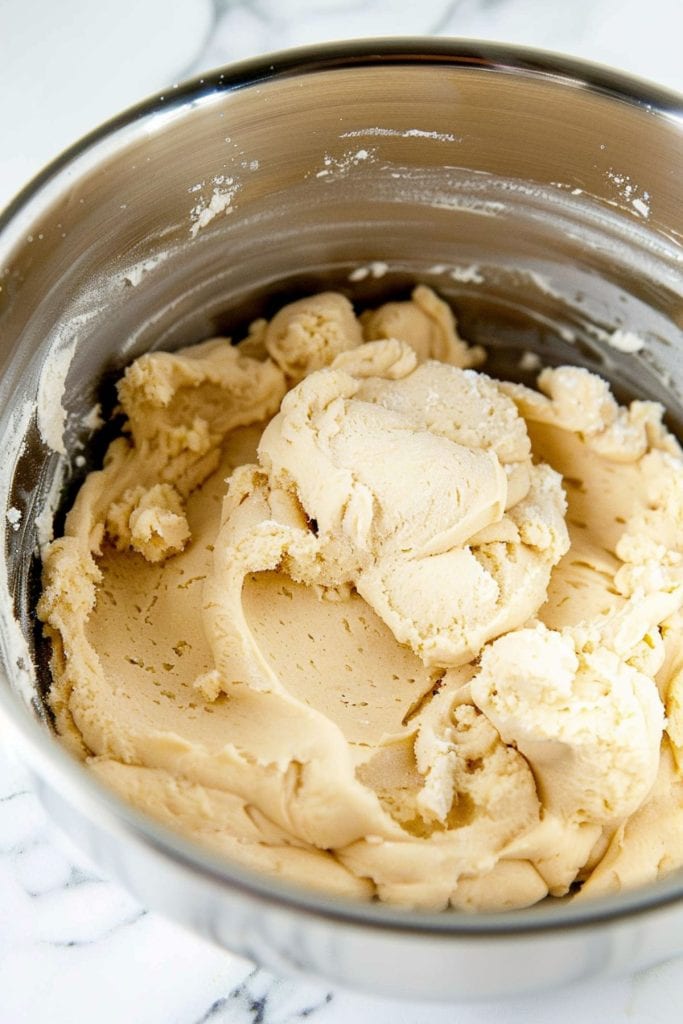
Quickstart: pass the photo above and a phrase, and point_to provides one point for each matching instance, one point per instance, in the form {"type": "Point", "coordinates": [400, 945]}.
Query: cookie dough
{"type": "Point", "coordinates": [342, 607]}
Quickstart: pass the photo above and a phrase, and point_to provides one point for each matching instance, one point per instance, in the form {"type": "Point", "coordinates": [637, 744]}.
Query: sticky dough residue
{"type": "Point", "coordinates": [349, 611]}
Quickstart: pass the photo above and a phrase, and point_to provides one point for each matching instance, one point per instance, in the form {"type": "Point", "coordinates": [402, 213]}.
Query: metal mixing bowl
{"type": "Point", "coordinates": [541, 196]}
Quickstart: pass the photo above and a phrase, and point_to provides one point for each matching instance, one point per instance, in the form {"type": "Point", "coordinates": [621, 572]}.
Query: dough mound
{"type": "Point", "coordinates": [348, 611]}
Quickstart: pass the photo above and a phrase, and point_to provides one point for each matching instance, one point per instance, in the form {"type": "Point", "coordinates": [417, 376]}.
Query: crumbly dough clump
{"type": "Point", "coordinates": [348, 610]}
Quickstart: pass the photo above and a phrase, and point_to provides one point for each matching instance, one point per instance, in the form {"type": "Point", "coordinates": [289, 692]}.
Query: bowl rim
{"type": "Point", "coordinates": [60, 769]}
{"type": "Point", "coordinates": [483, 55]}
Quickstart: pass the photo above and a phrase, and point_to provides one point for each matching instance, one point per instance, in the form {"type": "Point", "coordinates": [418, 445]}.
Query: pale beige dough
{"type": "Point", "coordinates": [345, 610]}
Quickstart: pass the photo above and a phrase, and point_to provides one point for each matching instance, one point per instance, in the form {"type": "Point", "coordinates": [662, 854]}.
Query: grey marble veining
{"type": "Point", "coordinates": [628, 34]}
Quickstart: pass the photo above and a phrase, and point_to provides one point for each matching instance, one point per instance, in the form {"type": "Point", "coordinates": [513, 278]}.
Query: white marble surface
{"type": "Point", "coordinates": [74, 947]}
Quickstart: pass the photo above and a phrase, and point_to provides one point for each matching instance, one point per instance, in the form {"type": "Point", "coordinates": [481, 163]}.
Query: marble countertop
{"type": "Point", "coordinates": [74, 947]}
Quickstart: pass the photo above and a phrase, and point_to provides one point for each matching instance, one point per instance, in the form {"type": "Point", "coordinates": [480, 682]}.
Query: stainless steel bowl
{"type": "Point", "coordinates": [542, 196]}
